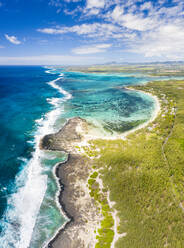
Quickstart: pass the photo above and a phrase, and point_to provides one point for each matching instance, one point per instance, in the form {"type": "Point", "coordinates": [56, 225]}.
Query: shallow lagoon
{"type": "Point", "coordinates": [37, 107]}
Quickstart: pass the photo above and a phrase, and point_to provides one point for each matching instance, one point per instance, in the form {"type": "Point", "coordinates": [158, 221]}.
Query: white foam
{"type": "Point", "coordinates": [24, 205]}
{"type": "Point", "coordinates": [53, 101]}
{"type": "Point", "coordinates": [60, 89]}
{"type": "Point", "coordinates": [22, 159]}
{"type": "Point", "coordinates": [50, 71]}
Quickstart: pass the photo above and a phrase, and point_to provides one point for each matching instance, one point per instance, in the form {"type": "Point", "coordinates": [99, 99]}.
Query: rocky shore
{"type": "Point", "coordinates": [83, 214]}
{"type": "Point", "coordinates": [67, 138]}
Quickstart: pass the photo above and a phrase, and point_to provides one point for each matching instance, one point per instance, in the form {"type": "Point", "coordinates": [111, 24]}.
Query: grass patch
{"type": "Point", "coordinates": [94, 175]}
{"type": "Point", "coordinates": [105, 233]}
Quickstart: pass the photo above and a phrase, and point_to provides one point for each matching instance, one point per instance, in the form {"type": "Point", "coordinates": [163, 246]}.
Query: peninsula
{"type": "Point", "coordinates": [124, 192]}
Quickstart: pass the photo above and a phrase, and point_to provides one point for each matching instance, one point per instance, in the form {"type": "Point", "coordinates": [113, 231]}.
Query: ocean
{"type": "Point", "coordinates": [35, 101]}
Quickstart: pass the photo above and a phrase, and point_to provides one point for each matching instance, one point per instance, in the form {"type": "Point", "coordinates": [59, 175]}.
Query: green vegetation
{"type": "Point", "coordinates": [105, 233]}
{"type": "Point", "coordinates": [94, 175]}
{"type": "Point", "coordinates": [90, 151]}
{"type": "Point", "coordinates": [175, 69]}
{"type": "Point", "coordinates": [145, 175]}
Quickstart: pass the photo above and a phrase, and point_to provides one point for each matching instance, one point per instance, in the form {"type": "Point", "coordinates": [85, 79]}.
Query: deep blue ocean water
{"type": "Point", "coordinates": [35, 101]}
{"type": "Point", "coordinates": [24, 98]}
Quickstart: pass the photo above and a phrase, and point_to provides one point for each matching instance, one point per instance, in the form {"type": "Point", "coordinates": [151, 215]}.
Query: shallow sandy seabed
{"type": "Point", "coordinates": [75, 199]}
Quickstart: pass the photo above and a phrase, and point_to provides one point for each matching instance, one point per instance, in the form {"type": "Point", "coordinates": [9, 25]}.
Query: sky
{"type": "Point", "coordinates": [83, 32]}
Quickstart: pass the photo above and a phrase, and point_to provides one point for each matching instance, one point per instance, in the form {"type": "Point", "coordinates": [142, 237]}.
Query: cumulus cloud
{"type": "Point", "coordinates": [134, 21]}
{"type": "Point", "coordinates": [98, 48]}
{"type": "Point", "coordinates": [140, 26]}
{"type": "Point", "coordinates": [94, 7]}
{"type": "Point", "coordinates": [146, 6]}
{"type": "Point", "coordinates": [12, 39]}
{"type": "Point", "coordinates": [95, 4]}
{"type": "Point", "coordinates": [158, 32]}
{"type": "Point", "coordinates": [90, 30]}
{"type": "Point", "coordinates": [117, 13]}
{"type": "Point", "coordinates": [167, 41]}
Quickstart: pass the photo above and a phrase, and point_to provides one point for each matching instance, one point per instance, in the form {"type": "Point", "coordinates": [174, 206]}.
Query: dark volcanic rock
{"type": "Point", "coordinates": [63, 139]}
{"type": "Point", "coordinates": [74, 171]}
{"type": "Point", "coordinates": [74, 196]}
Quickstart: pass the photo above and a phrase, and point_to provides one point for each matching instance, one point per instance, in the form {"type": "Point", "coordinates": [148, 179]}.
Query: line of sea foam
{"type": "Point", "coordinates": [24, 205]}
{"type": "Point", "coordinates": [66, 94]}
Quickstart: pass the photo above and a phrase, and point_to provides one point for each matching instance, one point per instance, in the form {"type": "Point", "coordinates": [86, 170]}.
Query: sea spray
{"type": "Point", "coordinates": [95, 98]}
{"type": "Point", "coordinates": [50, 218]}
{"type": "Point", "coordinates": [67, 95]}
{"type": "Point", "coordinates": [31, 183]}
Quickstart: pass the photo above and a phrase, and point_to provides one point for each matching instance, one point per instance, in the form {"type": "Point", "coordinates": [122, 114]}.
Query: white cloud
{"type": "Point", "coordinates": [98, 48]}
{"type": "Point", "coordinates": [137, 22]}
{"type": "Point", "coordinates": [95, 4]}
{"type": "Point", "coordinates": [117, 13]}
{"type": "Point", "coordinates": [93, 11]}
{"type": "Point", "coordinates": [104, 30]}
{"type": "Point", "coordinates": [146, 6]}
{"type": "Point", "coordinates": [48, 31]}
{"type": "Point", "coordinates": [175, 11]}
{"type": "Point", "coordinates": [167, 41]}
{"type": "Point", "coordinates": [12, 39]}
{"type": "Point", "coordinates": [94, 7]}
{"type": "Point", "coordinates": [131, 16]}
{"type": "Point", "coordinates": [134, 21]}
{"type": "Point", "coordinates": [158, 31]}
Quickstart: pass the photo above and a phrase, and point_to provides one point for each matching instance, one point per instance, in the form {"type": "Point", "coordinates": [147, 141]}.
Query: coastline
{"type": "Point", "coordinates": [93, 135]}
{"type": "Point", "coordinates": [74, 198]}
{"type": "Point", "coordinates": [59, 203]}
{"type": "Point", "coordinates": [79, 137]}
{"type": "Point", "coordinates": [154, 114]}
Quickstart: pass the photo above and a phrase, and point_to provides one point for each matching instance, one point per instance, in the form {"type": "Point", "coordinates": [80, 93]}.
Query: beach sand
{"type": "Point", "coordinates": [74, 198]}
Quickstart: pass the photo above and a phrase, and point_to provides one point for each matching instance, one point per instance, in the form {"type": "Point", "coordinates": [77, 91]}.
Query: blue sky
{"type": "Point", "coordinates": [90, 31]}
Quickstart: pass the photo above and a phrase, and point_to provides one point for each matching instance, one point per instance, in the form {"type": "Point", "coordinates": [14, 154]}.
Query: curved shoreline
{"type": "Point", "coordinates": [61, 187]}
{"type": "Point", "coordinates": [153, 116]}
{"type": "Point", "coordinates": [70, 194]}
{"type": "Point", "coordinates": [60, 204]}
{"type": "Point", "coordinates": [115, 136]}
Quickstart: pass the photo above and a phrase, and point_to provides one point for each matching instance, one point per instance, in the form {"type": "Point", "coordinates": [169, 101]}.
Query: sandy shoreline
{"type": "Point", "coordinates": [72, 175]}
{"type": "Point", "coordinates": [154, 114]}
{"type": "Point", "coordinates": [92, 134]}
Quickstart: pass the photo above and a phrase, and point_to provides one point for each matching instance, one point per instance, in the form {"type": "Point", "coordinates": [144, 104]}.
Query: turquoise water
{"type": "Point", "coordinates": [35, 101]}
{"type": "Point", "coordinates": [28, 110]}
{"type": "Point", "coordinates": [100, 100]}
